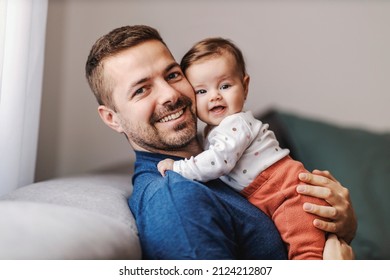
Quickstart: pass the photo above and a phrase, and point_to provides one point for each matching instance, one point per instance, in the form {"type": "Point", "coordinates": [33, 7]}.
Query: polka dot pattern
{"type": "Point", "coordinates": [251, 148]}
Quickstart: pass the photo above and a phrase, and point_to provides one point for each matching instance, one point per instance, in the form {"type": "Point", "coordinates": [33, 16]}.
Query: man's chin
{"type": "Point", "coordinates": [179, 141]}
{"type": "Point", "coordinates": [167, 142]}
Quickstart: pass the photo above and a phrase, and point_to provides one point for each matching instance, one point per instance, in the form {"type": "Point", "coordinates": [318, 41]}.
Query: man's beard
{"type": "Point", "coordinates": [153, 140]}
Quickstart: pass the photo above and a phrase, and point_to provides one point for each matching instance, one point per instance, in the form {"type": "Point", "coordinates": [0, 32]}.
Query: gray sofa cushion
{"type": "Point", "coordinates": [31, 230]}
{"type": "Point", "coordinates": [102, 193]}
{"type": "Point", "coordinates": [82, 217]}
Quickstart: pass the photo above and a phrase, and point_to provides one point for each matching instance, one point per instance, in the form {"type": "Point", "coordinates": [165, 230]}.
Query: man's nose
{"type": "Point", "coordinates": [167, 93]}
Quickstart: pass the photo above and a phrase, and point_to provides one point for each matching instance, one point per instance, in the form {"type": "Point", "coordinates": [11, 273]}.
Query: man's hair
{"type": "Point", "coordinates": [211, 47]}
{"type": "Point", "coordinates": [108, 45]}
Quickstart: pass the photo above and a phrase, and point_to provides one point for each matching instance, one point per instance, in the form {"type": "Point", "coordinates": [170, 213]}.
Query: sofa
{"type": "Point", "coordinates": [87, 216]}
{"type": "Point", "coordinates": [80, 217]}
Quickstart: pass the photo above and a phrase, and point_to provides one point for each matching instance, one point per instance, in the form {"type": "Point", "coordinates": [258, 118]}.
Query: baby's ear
{"type": "Point", "coordinates": [110, 118]}
{"type": "Point", "coordinates": [245, 83]}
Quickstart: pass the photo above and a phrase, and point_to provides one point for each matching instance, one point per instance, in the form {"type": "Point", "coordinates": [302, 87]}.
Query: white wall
{"type": "Point", "coordinates": [326, 59]}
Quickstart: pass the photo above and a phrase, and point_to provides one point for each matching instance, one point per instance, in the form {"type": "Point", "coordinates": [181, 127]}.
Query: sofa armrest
{"type": "Point", "coordinates": [82, 217]}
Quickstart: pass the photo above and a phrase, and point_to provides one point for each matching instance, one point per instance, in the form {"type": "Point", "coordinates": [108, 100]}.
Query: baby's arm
{"type": "Point", "coordinates": [164, 165]}
{"type": "Point", "coordinates": [227, 142]}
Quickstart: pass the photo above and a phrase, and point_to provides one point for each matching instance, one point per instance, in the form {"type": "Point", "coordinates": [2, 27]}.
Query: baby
{"type": "Point", "coordinates": [240, 150]}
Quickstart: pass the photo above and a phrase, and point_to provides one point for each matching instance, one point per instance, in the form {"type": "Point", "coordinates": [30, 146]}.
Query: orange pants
{"type": "Point", "coordinates": [274, 192]}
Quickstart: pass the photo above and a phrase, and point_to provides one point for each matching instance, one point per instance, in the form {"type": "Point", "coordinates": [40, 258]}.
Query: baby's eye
{"type": "Point", "coordinates": [200, 91]}
{"type": "Point", "coordinates": [225, 86]}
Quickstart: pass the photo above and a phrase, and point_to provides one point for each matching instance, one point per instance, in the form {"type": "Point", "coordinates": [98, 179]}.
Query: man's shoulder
{"type": "Point", "coordinates": [173, 190]}
{"type": "Point", "coordinates": [147, 176]}
{"type": "Point", "coordinates": [154, 184]}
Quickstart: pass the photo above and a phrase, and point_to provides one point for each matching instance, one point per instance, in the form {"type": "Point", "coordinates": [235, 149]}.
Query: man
{"type": "Point", "coordinates": [143, 94]}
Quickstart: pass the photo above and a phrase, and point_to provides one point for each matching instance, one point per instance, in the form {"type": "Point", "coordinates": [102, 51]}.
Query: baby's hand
{"type": "Point", "coordinates": [164, 165]}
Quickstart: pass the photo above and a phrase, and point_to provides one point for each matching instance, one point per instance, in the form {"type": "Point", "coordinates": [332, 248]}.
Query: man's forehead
{"type": "Point", "coordinates": [150, 55]}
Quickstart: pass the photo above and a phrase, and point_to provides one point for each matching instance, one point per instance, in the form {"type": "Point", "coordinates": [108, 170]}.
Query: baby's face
{"type": "Point", "coordinates": [219, 87]}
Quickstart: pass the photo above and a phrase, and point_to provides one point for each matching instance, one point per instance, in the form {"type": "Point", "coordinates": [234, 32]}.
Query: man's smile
{"type": "Point", "coordinates": [173, 116]}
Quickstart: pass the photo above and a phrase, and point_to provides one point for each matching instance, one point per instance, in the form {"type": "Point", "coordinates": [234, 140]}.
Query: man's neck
{"type": "Point", "coordinates": [193, 149]}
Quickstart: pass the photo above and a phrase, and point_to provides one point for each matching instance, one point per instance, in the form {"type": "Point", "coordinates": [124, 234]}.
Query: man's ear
{"type": "Point", "coordinates": [110, 118]}
{"type": "Point", "coordinates": [246, 85]}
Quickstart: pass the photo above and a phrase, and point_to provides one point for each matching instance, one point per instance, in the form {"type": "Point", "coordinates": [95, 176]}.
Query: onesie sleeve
{"type": "Point", "coordinates": [226, 144]}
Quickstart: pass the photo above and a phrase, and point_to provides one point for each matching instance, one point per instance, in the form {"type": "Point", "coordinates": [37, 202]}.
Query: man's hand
{"type": "Point", "coordinates": [339, 216]}
{"type": "Point", "coordinates": [337, 249]}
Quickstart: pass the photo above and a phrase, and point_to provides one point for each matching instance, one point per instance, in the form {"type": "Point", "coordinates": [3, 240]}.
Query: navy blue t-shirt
{"type": "Point", "coordinates": [179, 218]}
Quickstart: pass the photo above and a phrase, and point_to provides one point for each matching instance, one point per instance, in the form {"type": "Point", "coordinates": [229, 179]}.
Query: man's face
{"type": "Point", "coordinates": [155, 104]}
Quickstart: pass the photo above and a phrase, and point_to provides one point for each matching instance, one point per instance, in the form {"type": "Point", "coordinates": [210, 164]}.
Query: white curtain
{"type": "Point", "coordinates": [23, 26]}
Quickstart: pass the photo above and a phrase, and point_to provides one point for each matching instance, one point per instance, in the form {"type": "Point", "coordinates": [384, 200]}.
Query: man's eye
{"type": "Point", "coordinates": [139, 91]}
{"type": "Point", "coordinates": [201, 91]}
{"type": "Point", "coordinates": [173, 75]}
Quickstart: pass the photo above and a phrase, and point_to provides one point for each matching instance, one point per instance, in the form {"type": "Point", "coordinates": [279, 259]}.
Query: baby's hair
{"type": "Point", "coordinates": [210, 47]}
